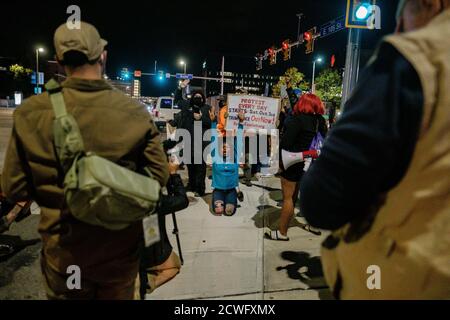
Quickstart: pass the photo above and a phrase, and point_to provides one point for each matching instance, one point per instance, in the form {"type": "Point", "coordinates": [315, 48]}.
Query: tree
{"type": "Point", "coordinates": [19, 71]}
{"type": "Point", "coordinates": [297, 80]}
{"type": "Point", "coordinates": [329, 86]}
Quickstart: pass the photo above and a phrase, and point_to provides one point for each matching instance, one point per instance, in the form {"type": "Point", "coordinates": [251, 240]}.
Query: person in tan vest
{"type": "Point", "coordinates": [381, 183]}
{"type": "Point", "coordinates": [114, 127]}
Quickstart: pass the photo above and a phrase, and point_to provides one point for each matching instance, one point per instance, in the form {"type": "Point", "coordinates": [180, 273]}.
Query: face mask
{"type": "Point", "coordinates": [197, 101]}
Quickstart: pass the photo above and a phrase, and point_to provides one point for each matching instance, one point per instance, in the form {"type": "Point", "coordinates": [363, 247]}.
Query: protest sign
{"type": "Point", "coordinates": [261, 113]}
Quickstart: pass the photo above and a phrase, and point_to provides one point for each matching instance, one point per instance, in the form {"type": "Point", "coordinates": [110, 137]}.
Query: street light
{"type": "Point", "coordinates": [183, 63]}
{"type": "Point", "coordinates": [38, 50]}
{"type": "Point", "coordinates": [313, 86]}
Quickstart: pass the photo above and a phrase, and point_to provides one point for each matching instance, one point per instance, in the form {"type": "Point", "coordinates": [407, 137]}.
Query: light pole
{"type": "Point", "coordinates": [183, 63]}
{"type": "Point", "coordinates": [313, 86]}
{"type": "Point", "coordinates": [41, 50]}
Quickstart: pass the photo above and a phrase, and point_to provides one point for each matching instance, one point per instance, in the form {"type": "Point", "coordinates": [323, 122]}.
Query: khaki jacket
{"type": "Point", "coordinates": [114, 127]}
{"type": "Point", "coordinates": [402, 249]}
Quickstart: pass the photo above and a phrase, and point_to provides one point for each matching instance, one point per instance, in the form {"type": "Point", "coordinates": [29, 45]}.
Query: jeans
{"type": "Point", "coordinates": [225, 201]}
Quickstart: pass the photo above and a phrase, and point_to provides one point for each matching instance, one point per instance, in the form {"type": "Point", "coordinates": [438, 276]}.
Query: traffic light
{"type": "Point", "coordinates": [272, 56]}
{"type": "Point", "coordinates": [286, 48]}
{"type": "Point", "coordinates": [125, 74]}
{"type": "Point", "coordinates": [160, 75]}
{"type": "Point", "coordinates": [361, 13]}
{"type": "Point", "coordinates": [308, 38]}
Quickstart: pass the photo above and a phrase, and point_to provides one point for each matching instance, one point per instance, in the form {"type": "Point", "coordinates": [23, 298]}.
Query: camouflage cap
{"type": "Point", "coordinates": [85, 39]}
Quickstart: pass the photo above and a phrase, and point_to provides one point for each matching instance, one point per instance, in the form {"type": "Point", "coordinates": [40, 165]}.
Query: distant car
{"type": "Point", "coordinates": [164, 111]}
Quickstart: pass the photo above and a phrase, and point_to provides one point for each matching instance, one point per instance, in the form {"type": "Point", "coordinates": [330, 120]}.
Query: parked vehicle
{"type": "Point", "coordinates": [164, 111]}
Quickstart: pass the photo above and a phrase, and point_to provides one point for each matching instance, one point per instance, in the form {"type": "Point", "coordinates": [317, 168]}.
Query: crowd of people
{"type": "Point", "coordinates": [379, 183]}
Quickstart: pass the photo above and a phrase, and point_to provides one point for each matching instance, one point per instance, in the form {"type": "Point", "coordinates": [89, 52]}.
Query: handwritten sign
{"type": "Point", "coordinates": [260, 112]}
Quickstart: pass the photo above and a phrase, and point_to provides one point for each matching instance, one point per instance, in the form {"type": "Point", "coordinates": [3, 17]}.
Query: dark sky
{"type": "Point", "coordinates": [140, 32]}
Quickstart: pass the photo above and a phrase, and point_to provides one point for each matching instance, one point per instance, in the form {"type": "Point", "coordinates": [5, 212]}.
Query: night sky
{"type": "Point", "coordinates": [140, 32]}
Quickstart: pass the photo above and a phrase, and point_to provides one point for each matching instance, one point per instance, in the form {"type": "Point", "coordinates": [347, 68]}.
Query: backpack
{"type": "Point", "coordinates": [98, 191]}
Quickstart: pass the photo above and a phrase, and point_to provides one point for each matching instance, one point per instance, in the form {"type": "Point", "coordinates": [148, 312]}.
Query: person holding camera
{"type": "Point", "coordinates": [159, 263]}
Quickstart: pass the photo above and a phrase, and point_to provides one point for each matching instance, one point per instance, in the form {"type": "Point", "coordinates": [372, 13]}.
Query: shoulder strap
{"type": "Point", "coordinates": [54, 90]}
{"type": "Point", "coordinates": [67, 137]}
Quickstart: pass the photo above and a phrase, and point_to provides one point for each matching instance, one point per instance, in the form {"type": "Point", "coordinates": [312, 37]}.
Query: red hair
{"type": "Point", "coordinates": [310, 104]}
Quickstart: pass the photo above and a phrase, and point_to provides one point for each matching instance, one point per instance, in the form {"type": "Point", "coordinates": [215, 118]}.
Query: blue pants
{"type": "Point", "coordinates": [224, 201]}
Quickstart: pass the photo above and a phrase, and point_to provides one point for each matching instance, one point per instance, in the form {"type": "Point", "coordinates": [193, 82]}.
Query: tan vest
{"type": "Point", "coordinates": [408, 237]}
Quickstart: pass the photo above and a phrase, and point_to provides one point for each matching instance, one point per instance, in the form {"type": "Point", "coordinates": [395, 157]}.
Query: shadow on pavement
{"type": "Point", "coordinates": [307, 270]}
{"type": "Point", "coordinates": [269, 217]}
{"type": "Point", "coordinates": [11, 245]}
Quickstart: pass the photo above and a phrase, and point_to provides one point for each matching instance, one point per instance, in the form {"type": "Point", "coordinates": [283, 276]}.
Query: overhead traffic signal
{"type": "Point", "coordinates": [362, 14]}
{"type": "Point", "coordinates": [160, 75]}
{"type": "Point", "coordinates": [125, 74]}
{"type": "Point", "coordinates": [308, 38]}
{"type": "Point", "coordinates": [286, 48]}
{"type": "Point", "coordinates": [272, 55]}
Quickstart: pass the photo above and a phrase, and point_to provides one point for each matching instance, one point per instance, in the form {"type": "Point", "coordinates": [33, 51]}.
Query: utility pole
{"type": "Point", "coordinates": [351, 73]}
{"type": "Point", "coordinates": [300, 16]}
{"type": "Point", "coordinates": [223, 76]}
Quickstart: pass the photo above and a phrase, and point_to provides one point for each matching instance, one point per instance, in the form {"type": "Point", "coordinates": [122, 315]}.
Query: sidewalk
{"type": "Point", "coordinates": [228, 257]}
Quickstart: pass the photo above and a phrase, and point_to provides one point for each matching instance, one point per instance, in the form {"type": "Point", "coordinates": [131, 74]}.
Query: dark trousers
{"type": "Point", "coordinates": [197, 176]}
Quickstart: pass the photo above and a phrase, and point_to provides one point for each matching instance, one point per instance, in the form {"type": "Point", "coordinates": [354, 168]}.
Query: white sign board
{"type": "Point", "coordinates": [260, 112]}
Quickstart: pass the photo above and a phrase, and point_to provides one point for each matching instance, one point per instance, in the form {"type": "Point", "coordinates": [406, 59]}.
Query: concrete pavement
{"type": "Point", "coordinates": [228, 257]}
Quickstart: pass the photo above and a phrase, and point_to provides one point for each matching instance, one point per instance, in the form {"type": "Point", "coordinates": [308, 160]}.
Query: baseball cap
{"type": "Point", "coordinates": [85, 39]}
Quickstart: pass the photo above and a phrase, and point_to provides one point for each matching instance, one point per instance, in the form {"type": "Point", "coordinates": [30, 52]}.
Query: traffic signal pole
{"type": "Point", "coordinates": [351, 64]}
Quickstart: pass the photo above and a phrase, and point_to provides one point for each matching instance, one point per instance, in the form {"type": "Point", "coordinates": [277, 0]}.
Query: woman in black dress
{"type": "Point", "coordinates": [298, 133]}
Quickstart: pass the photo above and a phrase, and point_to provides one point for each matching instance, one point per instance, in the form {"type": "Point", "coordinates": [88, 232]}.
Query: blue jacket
{"type": "Point", "coordinates": [225, 172]}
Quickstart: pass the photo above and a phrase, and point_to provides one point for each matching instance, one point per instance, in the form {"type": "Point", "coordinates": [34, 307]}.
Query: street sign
{"type": "Point", "coordinates": [41, 78]}
{"type": "Point", "coordinates": [168, 75]}
{"type": "Point", "coordinates": [183, 76]}
{"type": "Point", "coordinates": [332, 26]}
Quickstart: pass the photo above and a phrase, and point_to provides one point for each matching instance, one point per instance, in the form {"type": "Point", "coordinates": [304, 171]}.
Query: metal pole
{"type": "Point", "coordinates": [313, 77]}
{"type": "Point", "coordinates": [223, 76]}
{"type": "Point", "coordinates": [177, 235]}
{"type": "Point", "coordinates": [185, 66]}
{"type": "Point", "coordinates": [156, 65]}
{"type": "Point", "coordinates": [37, 71]}
{"type": "Point", "coordinates": [351, 73]}
{"type": "Point", "coordinates": [300, 15]}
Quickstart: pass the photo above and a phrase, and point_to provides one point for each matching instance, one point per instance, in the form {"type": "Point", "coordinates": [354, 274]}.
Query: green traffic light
{"type": "Point", "coordinates": [363, 11]}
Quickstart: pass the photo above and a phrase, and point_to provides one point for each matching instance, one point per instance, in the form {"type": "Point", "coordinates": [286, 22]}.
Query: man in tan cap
{"type": "Point", "coordinates": [114, 127]}
{"type": "Point", "coordinates": [381, 183]}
